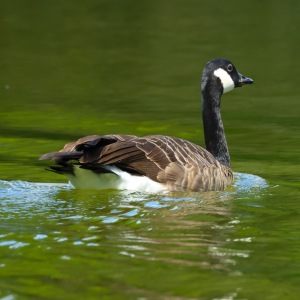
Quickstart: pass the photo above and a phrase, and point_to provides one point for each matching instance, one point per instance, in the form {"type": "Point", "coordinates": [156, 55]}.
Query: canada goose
{"type": "Point", "coordinates": [158, 163]}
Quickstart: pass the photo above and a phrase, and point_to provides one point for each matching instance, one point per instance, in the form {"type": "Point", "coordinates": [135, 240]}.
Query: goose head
{"type": "Point", "coordinates": [220, 76]}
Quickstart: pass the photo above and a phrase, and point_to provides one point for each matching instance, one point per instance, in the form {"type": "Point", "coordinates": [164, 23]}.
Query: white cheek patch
{"type": "Point", "coordinates": [226, 80]}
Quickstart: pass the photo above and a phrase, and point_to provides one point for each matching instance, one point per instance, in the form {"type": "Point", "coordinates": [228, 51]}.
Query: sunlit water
{"type": "Point", "coordinates": [62, 229]}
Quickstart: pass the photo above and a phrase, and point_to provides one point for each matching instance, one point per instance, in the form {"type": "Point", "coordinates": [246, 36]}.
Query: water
{"type": "Point", "coordinates": [83, 245]}
{"type": "Point", "coordinates": [72, 69]}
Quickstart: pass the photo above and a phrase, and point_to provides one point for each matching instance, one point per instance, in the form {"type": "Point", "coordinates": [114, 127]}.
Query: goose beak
{"type": "Point", "coordinates": [244, 80]}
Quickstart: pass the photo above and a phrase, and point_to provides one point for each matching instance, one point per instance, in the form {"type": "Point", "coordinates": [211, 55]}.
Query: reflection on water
{"type": "Point", "coordinates": [176, 213]}
{"type": "Point", "coordinates": [63, 226]}
{"type": "Point", "coordinates": [20, 197]}
{"type": "Point", "coordinates": [117, 235]}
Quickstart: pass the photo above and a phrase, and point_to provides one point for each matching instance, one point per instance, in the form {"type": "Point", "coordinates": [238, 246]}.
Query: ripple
{"type": "Point", "coordinates": [40, 236]}
{"type": "Point", "coordinates": [29, 190]}
{"type": "Point", "coordinates": [60, 240]}
{"type": "Point", "coordinates": [7, 243]}
{"type": "Point", "coordinates": [65, 257]}
{"type": "Point", "coordinates": [110, 220]}
{"type": "Point", "coordinates": [8, 297]}
{"type": "Point", "coordinates": [182, 228]}
{"type": "Point", "coordinates": [65, 205]}
{"type": "Point", "coordinates": [155, 204]}
{"type": "Point", "coordinates": [35, 191]}
{"type": "Point", "coordinates": [12, 244]}
{"type": "Point", "coordinates": [18, 245]}
{"type": "Point", "coordinates": [248, 182]}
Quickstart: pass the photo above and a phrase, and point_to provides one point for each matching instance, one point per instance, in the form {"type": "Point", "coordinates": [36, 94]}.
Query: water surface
{"type": "Point", "coordinates": [98, 67]}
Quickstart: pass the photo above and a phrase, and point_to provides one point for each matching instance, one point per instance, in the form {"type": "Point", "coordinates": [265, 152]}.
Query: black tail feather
{"type": "Point", "coordinates": [61, 157]}
{"type": "Point", "coordinates": [62, 169]}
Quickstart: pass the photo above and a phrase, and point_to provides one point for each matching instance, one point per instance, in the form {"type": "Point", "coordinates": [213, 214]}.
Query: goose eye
{"type": "Point", "coordinates": [229, 68]}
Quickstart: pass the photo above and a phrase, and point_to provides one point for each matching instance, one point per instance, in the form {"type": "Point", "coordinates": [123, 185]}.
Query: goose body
{"type": "Point", "coordinates": [158, 163]}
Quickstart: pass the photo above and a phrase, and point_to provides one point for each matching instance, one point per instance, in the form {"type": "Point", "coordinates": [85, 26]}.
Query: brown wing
{"type": "Point", "coordinates": [177, 163]}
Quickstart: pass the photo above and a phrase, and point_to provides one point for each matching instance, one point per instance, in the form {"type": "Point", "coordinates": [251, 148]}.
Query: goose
{"type": "Point", "coordinates": [158, 163]}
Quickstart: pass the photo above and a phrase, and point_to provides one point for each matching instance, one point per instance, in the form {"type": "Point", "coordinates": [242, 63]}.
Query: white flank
{"type": "Point", "coordinates": [226, 80]}
{"type": "Point", "coordinates": [120, 180]}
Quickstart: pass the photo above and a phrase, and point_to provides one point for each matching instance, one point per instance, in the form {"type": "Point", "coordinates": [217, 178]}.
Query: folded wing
{"type": "Point", "coordinates": [176, 163]}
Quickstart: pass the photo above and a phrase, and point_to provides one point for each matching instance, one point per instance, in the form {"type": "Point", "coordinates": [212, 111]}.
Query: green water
{"type": "Point", "coordinates": [69, 69]}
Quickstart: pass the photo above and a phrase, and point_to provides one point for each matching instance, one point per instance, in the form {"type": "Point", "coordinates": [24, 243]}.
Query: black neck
{"type": "Point", "coordinates": [215, 139]}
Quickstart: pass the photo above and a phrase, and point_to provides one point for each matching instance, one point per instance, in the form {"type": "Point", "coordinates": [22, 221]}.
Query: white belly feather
{"type": "Point", "coordinates": [121, 180]}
